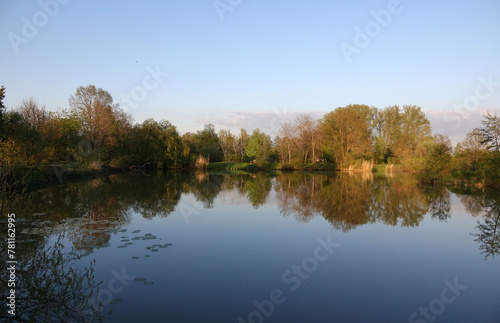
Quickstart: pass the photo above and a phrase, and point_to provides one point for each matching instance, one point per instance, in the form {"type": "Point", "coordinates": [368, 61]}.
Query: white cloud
{"type": "Point", "coordinates": [456, 124]}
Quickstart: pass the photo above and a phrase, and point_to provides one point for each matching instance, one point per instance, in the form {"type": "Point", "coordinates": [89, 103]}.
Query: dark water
{"type": "Point", "coordinates": [291, 247]}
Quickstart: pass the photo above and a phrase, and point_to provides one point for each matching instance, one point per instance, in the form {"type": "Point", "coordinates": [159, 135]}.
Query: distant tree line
{"type": "Point", "coordinates": [94, 133]}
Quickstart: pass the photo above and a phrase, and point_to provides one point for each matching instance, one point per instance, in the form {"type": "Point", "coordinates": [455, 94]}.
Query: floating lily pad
{"type": "Point", "coordinates": [147, 256]}
{"type": "Point", "coordinates": [154, 250]}
{"type": "Point", "coordinates": [136, 238]}
{"type": "Point", "coordinates": [122, 246]}
{"type": "Point", "coordinates": [135, 257]}
{"type": "Point", "coordinates": [140, 279]}
{"type": "Point", "coordinates": [128, 243]}
{"type": "Point", "coordinates": [125, 240]}
{"type": "Point", "coordinates": [115, 301]}
{"type": "Point", "coordinates": [148, 283]}
{"type": "Point", "coordinates": [136, 231]}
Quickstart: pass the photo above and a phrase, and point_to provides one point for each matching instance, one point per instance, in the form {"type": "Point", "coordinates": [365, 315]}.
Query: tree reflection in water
{"type": "Point", "coordinates": [487, 205]}
{"type": "Point", "coordinates": [344, 200]}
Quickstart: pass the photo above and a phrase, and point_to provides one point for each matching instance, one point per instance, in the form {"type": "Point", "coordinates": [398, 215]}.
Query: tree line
{"type": "Point", "coordinates": [94, 133]}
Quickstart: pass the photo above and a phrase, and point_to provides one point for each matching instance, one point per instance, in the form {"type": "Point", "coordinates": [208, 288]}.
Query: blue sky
{"type": "Point", "coordinates": [265, 60]}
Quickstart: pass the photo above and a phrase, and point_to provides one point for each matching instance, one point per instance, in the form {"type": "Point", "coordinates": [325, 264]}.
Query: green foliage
{"type": "Point", "coordinates": [260, 147]}
{"type": "Point", "coordinates": [435, 163]}
{"type": "Point", "coordinates": [489, 168]}
{"type": "Point", "coordinates": [346, 134]}
{"type": "Point", "coordinates": [159, 143]}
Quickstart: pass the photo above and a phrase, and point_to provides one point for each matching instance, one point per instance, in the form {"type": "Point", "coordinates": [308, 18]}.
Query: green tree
{"type": "Point", "coordinates": [159, 143]}
{"type": "Point", "coordinates": [473, 148]}
{"type": "Point", "coordinates": [227, 144]}
{"type": "Point", "coordinates": [415, 127]}
{"type": "Point", "coordinates": [259, 146]}
{"type": "Point", "coordinates": [346, 135]}
{"type": "Point", "coordinates": [207, 143]}
{"type": "Point", "coordinates": [437, 158]}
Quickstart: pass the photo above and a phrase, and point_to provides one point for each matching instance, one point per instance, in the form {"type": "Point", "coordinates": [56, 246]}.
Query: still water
{"type": "Point", "coordinates": [284, 247]}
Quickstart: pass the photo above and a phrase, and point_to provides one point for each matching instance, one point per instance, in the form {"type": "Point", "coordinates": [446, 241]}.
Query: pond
{"type": "Point", "coordinates": [282, 247]}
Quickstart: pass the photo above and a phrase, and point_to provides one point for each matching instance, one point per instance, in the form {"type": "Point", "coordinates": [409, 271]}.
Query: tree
{"type": "Point", "coordinates": [437, 158]}
{"type": "Point", "coordinates": [159, 144]}
{"type": "Point", "coordinates": [207, 143]}
{"type": "Point", "coordinates": [491, 132]}
{"type": "Point", "coordinates": [239, 145]}
{"type": "Point", "coordinates": [345, 135]}
{"type": "Point", "coordinates": [2, 106]}
{"type": "Point", "coordinates": [389, 126]}
{"type": "Point", "coordinates": [415, 127]}
{"type": "Point", "coordinates": [227, 144]}
{"type": "Point", "coordinates": [97, 113]}
{"type": "Point", "coordinates": [308, 136]}
{"type": "Point", "coordinates": [259, 146]}
{"type": "Point", "coordinates": [288, 135]}
{"type": "Point", "coordinates": [473, 147]}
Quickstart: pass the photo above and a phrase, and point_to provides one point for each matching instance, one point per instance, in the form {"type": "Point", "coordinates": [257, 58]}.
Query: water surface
{"type": "Point", "coordinates": [285, 247]}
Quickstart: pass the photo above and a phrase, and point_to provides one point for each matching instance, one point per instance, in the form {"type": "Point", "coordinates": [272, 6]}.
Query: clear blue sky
{"type": "Point", "coordinates": [264, 57]}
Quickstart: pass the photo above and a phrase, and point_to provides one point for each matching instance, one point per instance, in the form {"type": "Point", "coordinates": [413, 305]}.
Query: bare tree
{"type": "Point", "coordinates": [287, 133]}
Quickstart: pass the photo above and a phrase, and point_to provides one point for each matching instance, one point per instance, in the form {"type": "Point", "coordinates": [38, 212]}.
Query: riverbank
{"type": "Point", "coordinates": [56, 174]}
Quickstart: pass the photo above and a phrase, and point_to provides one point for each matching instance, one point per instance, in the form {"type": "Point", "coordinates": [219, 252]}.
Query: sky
{"type": "Point", "coordinates": [248, 64]}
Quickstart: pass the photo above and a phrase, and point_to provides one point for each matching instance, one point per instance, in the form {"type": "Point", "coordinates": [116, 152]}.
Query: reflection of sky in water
{"type": "Point", "coordinates": [225, 257]}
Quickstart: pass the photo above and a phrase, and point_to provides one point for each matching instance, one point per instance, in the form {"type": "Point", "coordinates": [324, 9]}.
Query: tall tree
{"type": "Point", "coordinates": [2, 106]}
{"type": "Point", "coordinates": [491, 131]}
{"type": "Point", "coordinates": [97, 114]}
{"type": "Point", "coordinates": [159, 143]}
{"type": "Point", "coordinates": [473, 147]}
{"type": "Point", "coordinates": [308, 136]}
{"type": "Point", "coordinates": [241, 144]}
{"type": "Point", "coordinates": [415, 127]}
{"type": "Point", "coordinates": [36, 116]}
{"type": "Point", "coordinates": [389, 126]}
{"type": "Point", "coordinates": [346, 135]}
{"type": "Point", "coordinates": [259, 146]}
{"type": "Point", "coordinates": [227, 143]}
{"type": "Point", "coordinates": [207, 143]}
{"type": "Point", "coordinates": [288, 135]}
